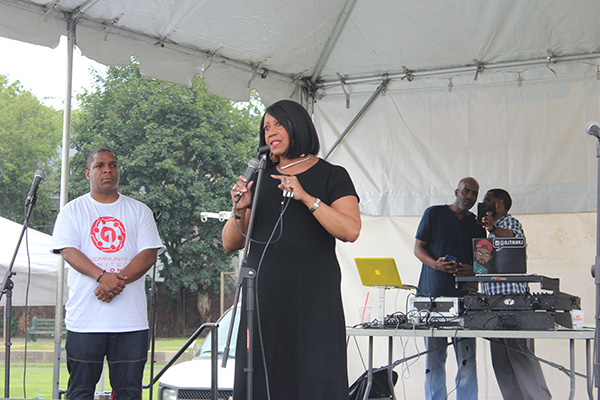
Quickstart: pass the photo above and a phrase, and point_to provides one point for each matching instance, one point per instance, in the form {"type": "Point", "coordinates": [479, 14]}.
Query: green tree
{"type": "Point", "coordinates": [30, 136]}
{"type": "Point", "coordinates": [180, 149]}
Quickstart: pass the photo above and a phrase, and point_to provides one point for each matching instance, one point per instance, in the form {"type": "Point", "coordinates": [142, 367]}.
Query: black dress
{"type": "Point", "coordinates": [300, 317]}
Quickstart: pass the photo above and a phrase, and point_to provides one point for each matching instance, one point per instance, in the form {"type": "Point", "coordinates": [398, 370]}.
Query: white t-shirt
{"type": "Point", "coordinates": [110, 235]}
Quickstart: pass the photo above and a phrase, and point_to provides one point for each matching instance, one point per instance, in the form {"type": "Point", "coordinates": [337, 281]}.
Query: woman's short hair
{"type": "Point", "coordinates": [297, 122]}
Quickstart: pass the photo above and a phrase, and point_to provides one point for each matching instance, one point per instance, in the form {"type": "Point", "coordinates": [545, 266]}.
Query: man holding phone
{"type": "Point", "coordinates": [443, 244]}
{"type": "Point", "coordinates": [518, 372]}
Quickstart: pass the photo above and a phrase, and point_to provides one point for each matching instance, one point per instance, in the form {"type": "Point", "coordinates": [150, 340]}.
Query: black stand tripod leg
{"type": "Point", "coordinates": [596, 275]}
{"type": "Point", "coordinates": [152, 331]}
{"type": "Point", "coordinates": [250, 313]}
{"type": "Point", "coordinates": [7, 336]}
{"type": "Point", "coordinates": [246, 283]}
{"type": "Point", "coordinates": [247, 279]}
{"type": "Point", "coordinates": [152, 322]}
{"type": "Point", "coordinates": [6, 288]}
{"type": "Point", "coordinates": [230, 330]}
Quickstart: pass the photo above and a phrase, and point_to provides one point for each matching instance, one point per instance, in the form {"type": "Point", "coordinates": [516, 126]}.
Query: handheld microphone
{"type": "Point", "coordinates": [263, 149]}
{"type": "Point", "coordinates": [253, 165]}
{"type": "Point", "coordinates": [592, 128]}
{"type": "Point", "coordinates": [37, 178]}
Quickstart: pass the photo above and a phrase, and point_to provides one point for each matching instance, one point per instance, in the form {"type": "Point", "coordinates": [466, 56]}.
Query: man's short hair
{"type": "Point", "coordinates": [503, 195]}
{"type": "Point", "coordinates": [91, 156]}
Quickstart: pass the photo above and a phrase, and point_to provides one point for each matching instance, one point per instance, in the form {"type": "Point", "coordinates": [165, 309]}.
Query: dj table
{"type": "Point", "coordinates": [570, 334]}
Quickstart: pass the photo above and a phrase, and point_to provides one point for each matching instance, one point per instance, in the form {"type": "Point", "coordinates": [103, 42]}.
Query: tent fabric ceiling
{"type": "Point", "coordinates": [335, 53]}
{"type": "Point", "coordinates": [275, 45]}
{"type": "Point", "coordinates": [411, 148]}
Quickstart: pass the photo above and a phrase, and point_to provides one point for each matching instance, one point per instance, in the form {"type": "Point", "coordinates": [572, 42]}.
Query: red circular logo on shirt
{"type": "Point", "coordinates": [108, 234]}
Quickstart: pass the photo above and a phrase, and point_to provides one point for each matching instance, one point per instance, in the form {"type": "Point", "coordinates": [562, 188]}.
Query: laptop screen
{"type": "Point", "coordinates": [378, 272]}
{"type": "Point", "coordinates": [381, 272]}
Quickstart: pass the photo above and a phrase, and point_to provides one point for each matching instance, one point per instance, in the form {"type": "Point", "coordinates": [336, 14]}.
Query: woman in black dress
{"type": "Point", "coordinates": [299, 346]}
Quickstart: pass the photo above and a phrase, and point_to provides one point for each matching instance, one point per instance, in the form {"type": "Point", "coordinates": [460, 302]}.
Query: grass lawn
{"type": "Point", "coordinates": [170, 344]}
{"type": "Point", "coordinates": [38, 376]}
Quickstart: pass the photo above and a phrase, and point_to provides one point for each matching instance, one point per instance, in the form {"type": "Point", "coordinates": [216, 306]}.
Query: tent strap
{"type": "Point", "coordinates": [380, 89]}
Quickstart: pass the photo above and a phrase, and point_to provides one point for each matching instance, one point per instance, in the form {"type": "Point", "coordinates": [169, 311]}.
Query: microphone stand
{"type": "Point", "coordinates": [152, 321]}
{"type": "Point", "coordinates": [596, 275]}
{"type": "Point", "coordinates": [246, 278]}
{"type": "Point", "coordinates": [6, 288]}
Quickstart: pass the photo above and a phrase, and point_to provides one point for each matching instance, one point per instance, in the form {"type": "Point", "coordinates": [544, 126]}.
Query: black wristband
{"type": "Point", "coordinates": [98, 280]}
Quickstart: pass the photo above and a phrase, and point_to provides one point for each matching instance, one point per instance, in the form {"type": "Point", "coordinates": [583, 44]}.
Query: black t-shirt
{"type": "Point", "coordinates": [446, 234]}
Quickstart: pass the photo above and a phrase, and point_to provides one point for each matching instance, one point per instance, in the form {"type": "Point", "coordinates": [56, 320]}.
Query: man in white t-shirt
{"type": "Point", "coordinates": [110, 241]}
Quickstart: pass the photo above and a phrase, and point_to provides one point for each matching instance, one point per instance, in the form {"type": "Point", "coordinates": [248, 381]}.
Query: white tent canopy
{"type": "Point", "coordinates": [35, 266]}
{"type": "Point", "coordinates": [272, 45]}
{"type": "Point", "coordinates": [410, 150]}
{"type": "Point", "coordinates": [500, 76]}
{"type": "Point", "coordinates": [409, 96]}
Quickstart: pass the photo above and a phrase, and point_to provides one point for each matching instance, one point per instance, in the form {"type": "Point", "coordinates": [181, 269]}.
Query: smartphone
{"type": "Point", "coordinates": [482, 209]}
{"type": "Point", "coordinates": [451, 258]}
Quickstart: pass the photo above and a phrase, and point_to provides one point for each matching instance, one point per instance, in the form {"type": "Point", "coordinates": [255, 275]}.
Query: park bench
{"type": "Point", "coordinates": [42, 327]}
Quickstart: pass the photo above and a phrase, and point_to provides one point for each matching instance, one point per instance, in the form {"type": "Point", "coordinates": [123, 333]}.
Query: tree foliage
{"type": "Point", "coordinates": [30, 136]}
{"type": "Point", "coordinates": [180, 149]}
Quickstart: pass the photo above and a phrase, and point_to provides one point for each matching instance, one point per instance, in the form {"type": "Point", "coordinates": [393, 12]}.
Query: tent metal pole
{"type": "Point", "coordinates": [461, 70]}
{"type": "Point", "coordinates": [337, 30]}
{"type": "Point", "coordinates": [363, 110]}
{"type": "Point", "coordinates": [64, 195]}
{"type": "Point", "coordinates": [308, 102]}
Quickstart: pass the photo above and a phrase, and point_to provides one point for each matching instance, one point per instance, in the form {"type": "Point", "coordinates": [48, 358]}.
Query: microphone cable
{"type": "Point", "coordinates": [258, 241]}
{"type": "Point", "coordinates": [279, 223]}
{"type": "Point", "coordinates": [26, 311]}
{"type": "Point", "coordinates": [284, 205]}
